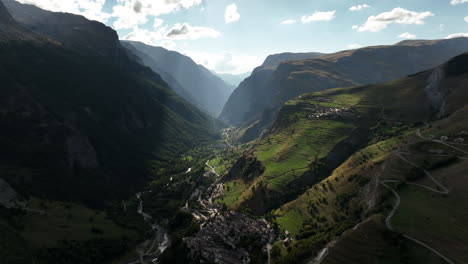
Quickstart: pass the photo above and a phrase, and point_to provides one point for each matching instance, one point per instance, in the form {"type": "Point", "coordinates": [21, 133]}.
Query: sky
{"type": "Point", "coordinates": [235, 36]}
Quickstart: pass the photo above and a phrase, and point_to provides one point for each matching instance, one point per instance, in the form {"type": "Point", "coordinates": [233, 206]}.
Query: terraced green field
{"type": "Point", "coordinates": [338, 190]}
{"type": "Point", "coordinates": [288, 154]}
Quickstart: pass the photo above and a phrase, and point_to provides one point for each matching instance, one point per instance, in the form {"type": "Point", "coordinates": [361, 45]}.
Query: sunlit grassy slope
{"type": "Point", "coordinates": [320, 130]}
{"type": "Point", "coordinates": [340, 144]}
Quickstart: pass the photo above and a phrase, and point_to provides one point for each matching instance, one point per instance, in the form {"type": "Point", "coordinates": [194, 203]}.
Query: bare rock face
{"type": "Point", "coordinates": [229, 238]}
{"type": "Point", "coordinates": [8, 196]}
{"type": "Point", "coordinates": [433, 89]}
{"type": "Point", "coordinates": [81, 153]}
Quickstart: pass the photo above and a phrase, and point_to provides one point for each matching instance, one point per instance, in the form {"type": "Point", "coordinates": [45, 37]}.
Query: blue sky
{"type": "Point", "coordinates": [235, 36]}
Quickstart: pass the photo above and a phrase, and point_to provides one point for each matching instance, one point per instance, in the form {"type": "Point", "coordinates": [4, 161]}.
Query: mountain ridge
{"type": "Point", "coordinates": [346, 68]}
{"type": "Point", "coordinates": [142, 119]}
{"type": "Point", "coordinates": [318, 172]}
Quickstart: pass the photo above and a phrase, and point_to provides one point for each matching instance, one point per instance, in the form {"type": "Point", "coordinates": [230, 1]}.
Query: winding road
{"type": "Point", "coordinates": [443, 190]}
{"type": "Point", "coordinates": [212, 169]}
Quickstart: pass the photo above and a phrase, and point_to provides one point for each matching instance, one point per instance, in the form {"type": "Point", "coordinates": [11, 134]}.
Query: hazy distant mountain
{"type": "Point", "coordinates": [233, 79]}
{"type": "Point", "coordinates": [261, 95]}
{"type": "Point", "coordinates": [196, 83]}
{"type": "Point", "coordinates": [234, 111]}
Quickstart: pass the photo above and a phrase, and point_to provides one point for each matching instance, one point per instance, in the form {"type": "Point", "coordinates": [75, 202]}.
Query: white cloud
{"type": "Point", "coordinates": [91, 9]}
{"type": "Point", "coordinates": [319, 16]}
{"type": "Point", "coordinates": [168, 44]}
{"type": "Point", "coordinates": [359, 7]}
{"type": "Point", "coordinates": [457, 35]}
{"type": "Point", "coordinates": [127, 19]}
{"type": "Point", "coordinates": [289, 22]}
{"type": "Point", "coordinates": [354, 46]}
{"type": "Point", "coordinates": [165, 36]}
{"type": "Point", "coordinates": [158, 22]}
{"type": "Point", "coordinates": [407, 35]}
{"type": "Point", "coordinates": [146, 36]}
{"type": "Point", "coordinates": [231, 15]}
{"type": "Point", "coordinates": [185, 31]}
{"type": "Point", "coordinates": [397, 15]}
{"type": "Point", "coordinates": [131, 13]}
{"type": "Point", "coordinates": [466, 19]}
{"type": "Point", "coordinates": [226, 62]}
{"type": "Point", "coordinates": [456, 2]}
{"type": "Point", "coordinates": [441, 27]}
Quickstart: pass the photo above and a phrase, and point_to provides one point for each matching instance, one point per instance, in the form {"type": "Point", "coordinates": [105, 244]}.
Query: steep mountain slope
{"type": "Point", "coordinates": [321, 168]}
{"type": "Point", "coordinates": [72, 31]}
{"type": "Point", "coordinates": [142, 57]}
{"type": "Point", "coordinates": [196, 83]}
{"type": "Point", "coordinates": [81, 131]}
{"type": "Point", "coordinates": [88, 117]}
{"type": "Point", "coordinates": [5, 17]}
{"type": "Point", "coordinates": [234, 112]}
{"type": "Point", "coordinates": [258, 101]}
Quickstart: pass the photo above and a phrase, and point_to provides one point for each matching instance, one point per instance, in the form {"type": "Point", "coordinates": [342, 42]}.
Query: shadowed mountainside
{"type": "Point", "coordinates": [80, 124]}
{"type": "Point", "coordinates": [194, 82]}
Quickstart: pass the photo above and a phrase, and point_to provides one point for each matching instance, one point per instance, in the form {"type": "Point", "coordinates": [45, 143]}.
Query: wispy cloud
{"type": "Point", "coordinates": [407, 35]}
{"type": "Point", "coordinates": [129, 14]}
{"type": "Point", "coordinates": [354, 46]}
{"type": "Point", "coordinates": [185, 31]}
{"type": "Point", "coordinates": [359, 7]}
{"type": "Point", "coordinates": [289, 22]}
{"type": "Point", "coordinates": [396, 16]}
{"type": "Point", "coordinates": [456, 2]}
{"type": "Point", "coordinates": [457, 35]}
{"type": "Point", "coordinates": [231, 14]}
{"type": "Point", "coordinates": [319, 16]}
{"type": "Point", "coordinates": [226, 62]}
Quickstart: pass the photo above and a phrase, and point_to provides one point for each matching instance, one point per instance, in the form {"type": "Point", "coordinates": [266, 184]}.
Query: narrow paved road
{"type": "Point", "coordinates": [440, 142]}
{"type": "Point", "coordinates": [388, 221]}
{"type": "Point", "coordinates": [212, 169]}
{"type": "Point", "coordinates": [443, 190]}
